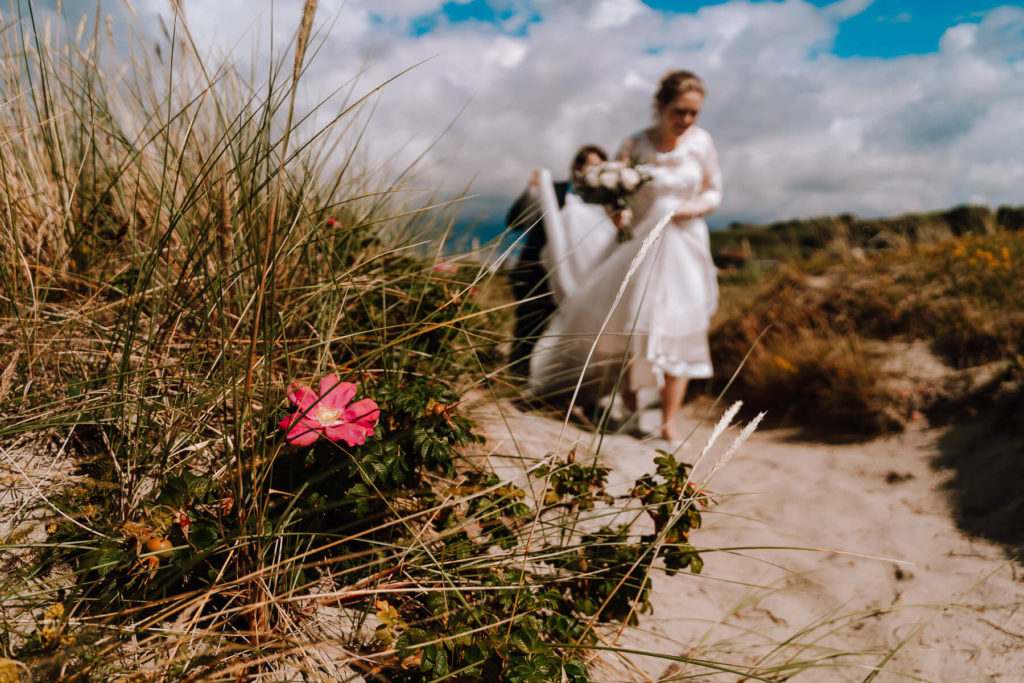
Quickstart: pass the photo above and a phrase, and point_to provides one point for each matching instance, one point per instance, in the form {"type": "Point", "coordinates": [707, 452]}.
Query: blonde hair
{"type": "Point", "coordinates": [675, 83]}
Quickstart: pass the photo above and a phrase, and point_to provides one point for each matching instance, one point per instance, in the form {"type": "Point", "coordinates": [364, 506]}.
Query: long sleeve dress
{"type": "Point", "coordinates": [645, 311]}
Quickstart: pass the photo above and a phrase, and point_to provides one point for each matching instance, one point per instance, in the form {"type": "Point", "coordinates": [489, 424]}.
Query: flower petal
{"type": "Point", "coordinates": [302, 435]}
{"type": "Point", "coordinates": [334, 393]}
{"type": "Point", "coordinates": [301, 395]}
{"type": "Point", "coordinates": [364, 412]}
{"type": "Point", "coordinates": [352, 434]}
{"type": "Point", "coordinates": [310, 421]}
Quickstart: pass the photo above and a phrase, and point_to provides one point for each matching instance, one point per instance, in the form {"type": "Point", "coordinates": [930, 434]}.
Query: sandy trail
{"type": "Point", "coordinates": [895, 591]}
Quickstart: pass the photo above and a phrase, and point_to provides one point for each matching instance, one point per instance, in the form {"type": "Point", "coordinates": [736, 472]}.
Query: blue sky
{"type": "Point", "coordinates": [886, 28]}
{"type": "Point", "coordinates": [875, 107]}
{"type": "Point", "coordinates": [891, 28]}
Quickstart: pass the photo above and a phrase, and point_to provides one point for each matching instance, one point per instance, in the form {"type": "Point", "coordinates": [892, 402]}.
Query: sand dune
{"type": "Point", "coordinates": [846, 560]}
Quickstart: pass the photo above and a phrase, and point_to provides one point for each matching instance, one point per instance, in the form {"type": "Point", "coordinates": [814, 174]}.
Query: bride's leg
{"type": "Point", "coordinates": [629, 398]}
{"type": "Point", "coordinates": [672, 394]}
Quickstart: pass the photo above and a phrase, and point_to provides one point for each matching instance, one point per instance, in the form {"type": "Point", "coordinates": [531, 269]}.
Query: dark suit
{"type": "Point", "coordinates": [528, 277]}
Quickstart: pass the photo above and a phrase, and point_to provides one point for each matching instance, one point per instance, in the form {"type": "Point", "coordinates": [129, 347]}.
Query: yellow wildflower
{"type": "Point", "coordinates": [9, 670]}
{"type": "Point", "coordinates": [48, 634]}
{"type": "Point", "coordinates": [784, 364]}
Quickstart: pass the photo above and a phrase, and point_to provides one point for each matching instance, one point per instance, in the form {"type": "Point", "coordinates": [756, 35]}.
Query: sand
{"type": "Point", "coordinates": [834, 562]}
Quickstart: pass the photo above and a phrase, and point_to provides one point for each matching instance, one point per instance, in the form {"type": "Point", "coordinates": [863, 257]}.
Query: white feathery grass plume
{"type": "Point", "coordinates": [735, 445]}
{"type": "Point", "coordinates": [684, 502]}
{"type": "Point", "coordinates": [720, 427]}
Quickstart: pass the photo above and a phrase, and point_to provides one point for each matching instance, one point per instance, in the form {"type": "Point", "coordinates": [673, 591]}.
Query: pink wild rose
{"type": "Point", "coordinates": [330, 413]}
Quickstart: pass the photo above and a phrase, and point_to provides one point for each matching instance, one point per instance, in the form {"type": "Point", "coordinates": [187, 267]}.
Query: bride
{"type": "Point", "coordinates": [640, 317]}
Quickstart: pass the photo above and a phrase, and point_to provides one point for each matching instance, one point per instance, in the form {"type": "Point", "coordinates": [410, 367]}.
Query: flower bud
{"type": "Point", "coordinates": [630, 179]}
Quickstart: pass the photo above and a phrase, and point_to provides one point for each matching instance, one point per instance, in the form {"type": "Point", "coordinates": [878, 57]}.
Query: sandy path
{"type": "Point", "coordinates": [895, 573]}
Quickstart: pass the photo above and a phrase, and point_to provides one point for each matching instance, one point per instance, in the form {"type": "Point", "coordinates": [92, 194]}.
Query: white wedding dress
{"type": "Point", "coordinates": [580, 236]}
{"type": "Point", "coordinates": [644, 311]}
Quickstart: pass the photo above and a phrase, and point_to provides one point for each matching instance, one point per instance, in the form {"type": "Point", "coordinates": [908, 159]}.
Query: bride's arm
{"type": "Point", "coordinates": [710, 196]}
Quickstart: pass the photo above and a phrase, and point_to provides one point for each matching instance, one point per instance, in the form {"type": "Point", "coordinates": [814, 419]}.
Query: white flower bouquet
{"type": "Point", "coordinates": [612, 183]}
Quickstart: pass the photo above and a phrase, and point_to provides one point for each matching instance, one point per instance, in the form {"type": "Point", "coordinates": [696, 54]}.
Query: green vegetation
{"type": "Point", "coordinates": [836, 323]}
{"type": "Point", "coordinates": [797, 239]}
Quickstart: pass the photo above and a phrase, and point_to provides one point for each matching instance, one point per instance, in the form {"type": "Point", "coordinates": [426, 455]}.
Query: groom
{"type": "Point", "coordinates": [528, 277]}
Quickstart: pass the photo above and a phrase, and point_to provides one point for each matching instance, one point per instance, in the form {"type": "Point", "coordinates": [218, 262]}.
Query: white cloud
{"type": "Point", "coordinates": [405, 8]}
{"type": "Point", "coordinates": [506, 53]}
{"type": "Point", "coordinates": [799, 131]}
{"type": "Point", "coordinates": [845, 9]}
{"type": "Point", "coordinates": [613, 13]}
{"type": "Point", "coordinates": [960, 38]}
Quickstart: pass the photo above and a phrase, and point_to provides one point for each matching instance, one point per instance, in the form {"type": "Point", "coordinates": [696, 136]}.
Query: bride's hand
{"type": "Point", "coordinates": [691, 209]}
{"type": "Point", "coordinates": [621, 219]}
{"type": "Point", "coordinates": [685, 213]}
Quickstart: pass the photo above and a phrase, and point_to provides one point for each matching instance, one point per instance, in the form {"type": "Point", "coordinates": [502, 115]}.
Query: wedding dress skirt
{"type": "Point", "coordinates": [635, 325]}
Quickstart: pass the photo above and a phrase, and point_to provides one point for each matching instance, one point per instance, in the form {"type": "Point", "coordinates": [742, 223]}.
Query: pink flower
{"type": "Point", "coordinates": [330, 413]}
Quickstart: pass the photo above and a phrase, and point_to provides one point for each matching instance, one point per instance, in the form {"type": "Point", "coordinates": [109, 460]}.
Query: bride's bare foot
{"type": "Point", "coordinates": [670, 433]}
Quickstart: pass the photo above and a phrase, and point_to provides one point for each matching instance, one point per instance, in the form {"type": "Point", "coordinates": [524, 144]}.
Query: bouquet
{"type": "Point", "coordinates": [612, 183]}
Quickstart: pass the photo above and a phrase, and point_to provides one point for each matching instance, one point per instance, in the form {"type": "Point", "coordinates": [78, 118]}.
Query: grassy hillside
{"type": "Point", "coordinates": [864, 325]}
{"type": "Point", "coordinates": [801, 238]}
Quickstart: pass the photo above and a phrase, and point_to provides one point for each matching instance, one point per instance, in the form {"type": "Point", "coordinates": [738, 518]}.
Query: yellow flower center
{"type": "Point", "coordinates": [326, 416]}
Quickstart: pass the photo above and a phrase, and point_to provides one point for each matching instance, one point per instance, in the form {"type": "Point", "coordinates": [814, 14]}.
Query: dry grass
{"type": "Point", "coordinates": [824, 321]}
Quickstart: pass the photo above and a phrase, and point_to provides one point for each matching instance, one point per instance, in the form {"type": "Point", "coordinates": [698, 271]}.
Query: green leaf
{"type": "Point", "coordinates": [104, 559]}
{"type": "Point", "coordinates": [576, 669]}
{"type": "Point", "coordinates": [410, 638]}
{"type": "Point", "coordinates": [203, 534]}
{"type": "Point", "coordinates": [434, 661]}
{"type": "Point", "coordinates": [361, 492]}
{"type": "Point", "coordinates": [526, 641]}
